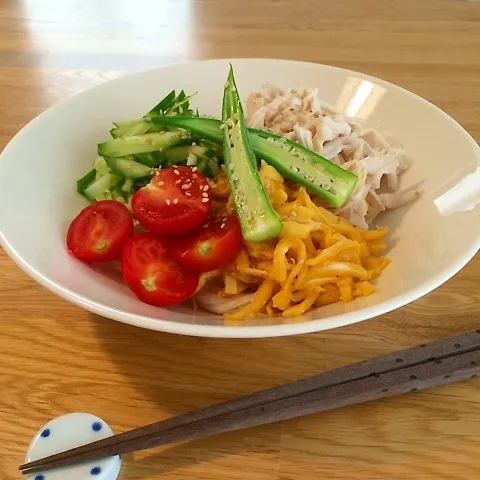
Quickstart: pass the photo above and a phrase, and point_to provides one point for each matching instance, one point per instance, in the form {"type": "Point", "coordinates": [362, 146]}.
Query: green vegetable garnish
{"type": "Point", "coordinates": [258, 219]}
{"type": "Point", "coordinates": [291, 159]}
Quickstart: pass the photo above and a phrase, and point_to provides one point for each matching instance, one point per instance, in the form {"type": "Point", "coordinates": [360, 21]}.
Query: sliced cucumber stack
{"type": "Point", "coordinates": [140, 146]}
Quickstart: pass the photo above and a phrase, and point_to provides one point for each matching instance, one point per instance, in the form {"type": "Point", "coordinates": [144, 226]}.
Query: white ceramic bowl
{"type": "Point", "coordinates": [430, 240]}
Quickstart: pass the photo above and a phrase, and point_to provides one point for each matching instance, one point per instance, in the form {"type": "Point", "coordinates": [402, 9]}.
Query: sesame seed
{"type": "Point", "coordinates": [194, 169]}
{"type": "Point", "coordinates": [205, 194]}
{"type": "Point", "coordinates": [204, 200]}
{"type": "Point", "coordinates": [175, 201]}
{"type": "Point", "coordinates": [188, 194]}
{"type": "Point", "coordinates": [205, 188]}
{"type": "Point", "coordinates": [177, 181]}
{"type": "Point", "coordinates": [176, 172]}
{"type": "Point", "coordinates": [222, 225]}
{"type": "Point", "coordinates": [161, 183]}
{"type": "Point", "coordinates": [167, 201]}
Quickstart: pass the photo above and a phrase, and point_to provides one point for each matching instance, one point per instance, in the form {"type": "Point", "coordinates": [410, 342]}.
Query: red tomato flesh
{"type": "Point", "coordinates": [176, 201]}
{"type": "Point", "coordinates": [151, 273]}
{"type": "Point", "coordinates": [213, 245]}
{"type": "Point", "coordinates": [100, 231]}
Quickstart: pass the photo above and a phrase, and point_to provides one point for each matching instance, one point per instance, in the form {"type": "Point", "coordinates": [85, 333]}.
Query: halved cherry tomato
{"type": "Point", "coordinates": [151, 273]}
{"type": "Point", "coordinates": [213, 245]}
{"type": "Point", "coordinates": [100, 231]}
{"type": "Point", "coordinates": [177, 200]}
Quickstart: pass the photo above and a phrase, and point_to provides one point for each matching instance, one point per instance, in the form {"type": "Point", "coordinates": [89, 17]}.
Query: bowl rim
{"type": "Point", "coordinates": [261, 331]}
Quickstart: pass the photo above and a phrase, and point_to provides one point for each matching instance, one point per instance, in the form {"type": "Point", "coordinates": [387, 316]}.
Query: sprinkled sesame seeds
{"type": "Point", "coordinates": [186, 186]}
{"type": "Point", "coordinates": [176, 172]}
{"type": "Point", "coordinates": [194, 169]}
{"type": "Point", "coordinates": [205, 194]}
{"type": "Point", "coordinates": [175, 201]}
{"type": "Point", "coordinates": [177, 181]}
{"type": "Point", "coordinates": [205, 200]}
{"type": "Point", "coordinates": [188, 194]}
{"type": "Point", "coordinates": [205, 188]}
{"type": "Point", "coordinates": [167, 201]}
{"type": "Point", "coordinates": [161, 183]}
{"type": "Point", "coordinates": [222, 225]}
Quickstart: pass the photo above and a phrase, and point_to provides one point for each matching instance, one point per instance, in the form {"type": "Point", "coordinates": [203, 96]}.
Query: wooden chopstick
{"type": "Point", "coordinates": [444, 361]}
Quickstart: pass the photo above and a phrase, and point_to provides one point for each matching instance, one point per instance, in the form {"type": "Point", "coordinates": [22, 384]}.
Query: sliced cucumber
{"type": "Point", "coordinates": [150, 159]}
{"type": "Point", "coordinates": [150, 142]}
{"type": "Point", "coordinates": [100, 166]}
{"type": "Point", "coordinates": [138, 128]}
{"type": "Point", "coordinates": [180, 155]}
{"type": "Point", "coordinates": [128, 168]}
{"type": "Point", "coordinates": [125, 123]}
{"type": "Point", "coordinates": [177, 155]}
{"type": "Point", "coordinates": [202, 165]}
{"type": "Point", "coordinates": [214, 167]}
{"type": "Point", "coordinates": [208, 128]}
{"type": "Point", "coordinates": [127, 186]}
{"type": "Point", "coordinates": [101, 186]}
{"type": "Point", "coordinates": [85, 181]}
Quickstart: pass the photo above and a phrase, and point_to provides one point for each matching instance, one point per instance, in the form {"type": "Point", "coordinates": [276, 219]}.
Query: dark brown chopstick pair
{"type": "Point", "coordinates": [445, 361]}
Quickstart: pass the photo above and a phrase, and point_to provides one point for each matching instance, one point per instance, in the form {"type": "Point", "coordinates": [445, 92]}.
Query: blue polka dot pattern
{"type": "Point", "coordinates": [95, 471]}
{"type": "Point", "coordinates": [46, 433]}
{"type": "Point", "coordinates": [97, 426]}
{"type": "Point", "coordinates": [39, 477]}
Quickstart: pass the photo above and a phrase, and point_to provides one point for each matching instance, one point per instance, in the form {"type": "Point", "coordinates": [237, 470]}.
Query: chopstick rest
{"type": "Point", "coordinates": [71, 431]}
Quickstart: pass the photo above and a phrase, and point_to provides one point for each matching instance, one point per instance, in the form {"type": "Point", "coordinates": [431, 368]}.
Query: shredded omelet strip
{"type": "Point", "coordinates": [318, 259]}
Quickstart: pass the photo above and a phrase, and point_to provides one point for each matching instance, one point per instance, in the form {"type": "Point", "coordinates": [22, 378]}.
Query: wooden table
{"type": "Point", "coordinates": [56, 358]}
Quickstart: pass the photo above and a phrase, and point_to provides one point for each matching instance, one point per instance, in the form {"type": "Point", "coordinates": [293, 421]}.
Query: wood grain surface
{"type": "Point", "coordinates": [56, 358]}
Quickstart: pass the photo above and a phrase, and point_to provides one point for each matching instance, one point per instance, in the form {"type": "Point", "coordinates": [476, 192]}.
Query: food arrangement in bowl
{"type": "Point", "coordinates": [267, 213]}
{"type": "Point", "coordinates": [307, 209]}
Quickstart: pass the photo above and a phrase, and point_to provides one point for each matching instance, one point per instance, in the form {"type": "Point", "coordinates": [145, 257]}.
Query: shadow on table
{"type": "Point", "coordinates": [180, 374]}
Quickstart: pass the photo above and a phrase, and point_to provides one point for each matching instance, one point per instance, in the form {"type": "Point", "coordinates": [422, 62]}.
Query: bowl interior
{"type": "Point", "coordinates": [429, 241]}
